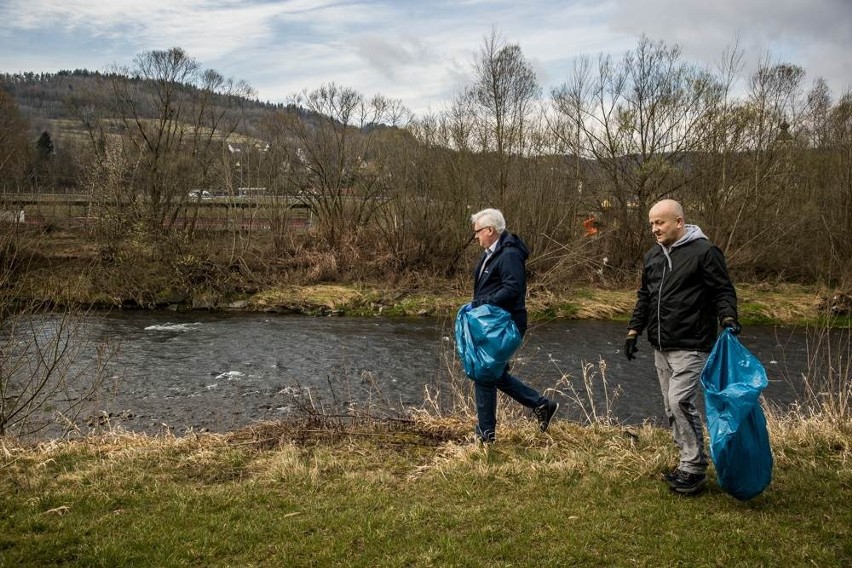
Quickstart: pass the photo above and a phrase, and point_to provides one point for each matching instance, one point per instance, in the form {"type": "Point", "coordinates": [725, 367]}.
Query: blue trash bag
{"type": "Point", "coordinates": [733, 379]}
{"type": "Point", "coordinates": [486, 338]}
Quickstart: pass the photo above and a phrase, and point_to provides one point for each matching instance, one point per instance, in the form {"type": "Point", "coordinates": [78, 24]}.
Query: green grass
{"type": "Point", "coordinates": [415, 494]}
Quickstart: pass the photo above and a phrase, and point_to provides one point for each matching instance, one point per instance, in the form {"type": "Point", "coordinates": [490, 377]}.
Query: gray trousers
{"type": "Point", "coordinates": [679, 373]}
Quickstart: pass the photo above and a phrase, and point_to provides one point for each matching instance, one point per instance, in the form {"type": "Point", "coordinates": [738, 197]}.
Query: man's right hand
{"type": "Point", "coordinates": [630, 347]}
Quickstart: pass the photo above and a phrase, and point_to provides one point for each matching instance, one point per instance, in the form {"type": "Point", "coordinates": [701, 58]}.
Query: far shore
{"type": "Point", "coordinates": [759, 304]}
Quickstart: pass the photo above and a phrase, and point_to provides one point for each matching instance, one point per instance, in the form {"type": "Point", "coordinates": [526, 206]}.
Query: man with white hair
{"type": "Point", "coordinates": [500, 279]}
{"type": "Point", "coordinates": [685, 290]}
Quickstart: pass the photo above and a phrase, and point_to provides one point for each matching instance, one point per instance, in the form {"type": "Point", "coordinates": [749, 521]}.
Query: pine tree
{"type": "Point", "coordinates": [44, 145]}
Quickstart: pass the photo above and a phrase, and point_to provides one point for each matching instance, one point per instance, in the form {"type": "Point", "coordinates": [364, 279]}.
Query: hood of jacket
{"type": "Point", "coordinates": [508, 239]}
{"type": "Point", "coordinates": [691, 233]}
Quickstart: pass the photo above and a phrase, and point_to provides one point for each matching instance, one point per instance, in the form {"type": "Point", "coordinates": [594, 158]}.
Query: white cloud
{"type": "Point", "coordinates": [817, 35]}
{"type": "Point", "coordinates": [419, 52]}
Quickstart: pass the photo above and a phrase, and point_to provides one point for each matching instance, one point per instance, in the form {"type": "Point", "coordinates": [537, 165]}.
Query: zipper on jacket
{"type": "Point", "coordinates": [660, 301]}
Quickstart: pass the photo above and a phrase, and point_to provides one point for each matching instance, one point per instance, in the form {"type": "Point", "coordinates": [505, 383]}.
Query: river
{"type": "Point", "coordinates": [221, 371]}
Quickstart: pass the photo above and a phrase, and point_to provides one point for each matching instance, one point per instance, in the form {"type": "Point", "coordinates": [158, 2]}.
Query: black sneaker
{"type": "Point", "coordinates": [484, 437]}
{"type": "Point", "coordinates": [545, 413]}
{"type": "Point", "coordinates": [686, 483]}
{"type": "Point", "coordinates": [670, 476]}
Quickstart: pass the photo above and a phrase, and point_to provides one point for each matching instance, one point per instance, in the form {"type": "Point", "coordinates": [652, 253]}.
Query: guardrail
{"type": "Point", "coordinates": [241, 213]}
{"type": "Point", "coordinates": [21, 199]}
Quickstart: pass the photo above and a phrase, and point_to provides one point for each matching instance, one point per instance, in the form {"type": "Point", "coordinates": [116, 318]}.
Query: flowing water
{"type": "Point", "coordinates": [218, 372]}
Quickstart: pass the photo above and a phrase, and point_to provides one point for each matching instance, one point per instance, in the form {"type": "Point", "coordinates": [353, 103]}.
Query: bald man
{"type": "Point", "coordinates": [685, 290]}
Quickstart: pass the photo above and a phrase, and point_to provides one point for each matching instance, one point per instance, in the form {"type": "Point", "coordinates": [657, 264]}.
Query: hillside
{"type": "Point", "coordinates": [53, 102]}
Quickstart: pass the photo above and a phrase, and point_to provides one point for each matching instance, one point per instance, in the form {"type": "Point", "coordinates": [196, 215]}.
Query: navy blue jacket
{"type": "Point", "coordinates": [503, 282]}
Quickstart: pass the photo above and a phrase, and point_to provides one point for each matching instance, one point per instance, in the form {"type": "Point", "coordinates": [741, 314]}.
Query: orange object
{"type": "Point", "coordinates": [591, 226]}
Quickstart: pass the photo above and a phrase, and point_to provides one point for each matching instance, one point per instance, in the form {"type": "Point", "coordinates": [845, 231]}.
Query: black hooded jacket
{"type": "Point", "coordinates": [685, 290]}
{"type": "Point", "coordinates": [503, 281]}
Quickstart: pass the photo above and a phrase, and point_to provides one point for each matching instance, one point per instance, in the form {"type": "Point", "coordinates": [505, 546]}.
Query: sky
{"type": "Point", "coordinates": [420, 52]}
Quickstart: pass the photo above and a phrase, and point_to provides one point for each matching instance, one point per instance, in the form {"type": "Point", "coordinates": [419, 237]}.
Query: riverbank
{"type": "Point", "coordinates": [783, 304]}
{"type": "Point", "coordinates": [321, 492]}
{"type": "Point", "coordinates": [65, 268]}
{"type": "Point", "coordinates": [762, 304]}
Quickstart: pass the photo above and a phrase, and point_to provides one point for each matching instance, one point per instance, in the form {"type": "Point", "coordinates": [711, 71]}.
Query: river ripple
{"type": "Point", "coordinates": [218, 372]}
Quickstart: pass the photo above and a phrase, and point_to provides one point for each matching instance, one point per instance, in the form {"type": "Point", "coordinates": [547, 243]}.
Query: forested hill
{"type": "Point", "coordinates": [48, 101]}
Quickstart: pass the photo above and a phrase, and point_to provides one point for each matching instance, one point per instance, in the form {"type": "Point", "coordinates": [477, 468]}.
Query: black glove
{"type": "Point", "coordinates": [630, 347]}
{"type": "Point", "coordinates": [732, 324]}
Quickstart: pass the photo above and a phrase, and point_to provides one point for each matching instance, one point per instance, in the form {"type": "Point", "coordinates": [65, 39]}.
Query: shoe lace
{"type": "Point", "coordinates": [686, 476]}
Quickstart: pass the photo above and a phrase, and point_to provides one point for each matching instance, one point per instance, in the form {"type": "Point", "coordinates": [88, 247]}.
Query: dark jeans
{"type": "Point", "coordinates": [486, 401]}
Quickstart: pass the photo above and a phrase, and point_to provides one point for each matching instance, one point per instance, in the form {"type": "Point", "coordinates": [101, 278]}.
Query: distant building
{"type": "Point", "coordinates": [251, 191]}
{"type": "Point", "coordinates": [12, 216]}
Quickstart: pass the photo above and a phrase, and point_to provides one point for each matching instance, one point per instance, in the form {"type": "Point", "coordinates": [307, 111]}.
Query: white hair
{"type": "Point", "coordinates": [489, 218]}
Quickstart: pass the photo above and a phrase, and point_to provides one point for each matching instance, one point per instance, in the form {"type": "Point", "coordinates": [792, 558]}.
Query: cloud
{"type": "Point", "coordinates": [817, 35]}
{"type": "Point", "coordinates": [419, 52]}
{"type": "Point", "coordinates": [390, 58]}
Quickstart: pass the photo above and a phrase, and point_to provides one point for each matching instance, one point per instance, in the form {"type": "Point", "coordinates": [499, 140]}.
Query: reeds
{"type": "Point", "coordinates": [584, 399]}
{"type": "Point", "coordinates": [828, 380]}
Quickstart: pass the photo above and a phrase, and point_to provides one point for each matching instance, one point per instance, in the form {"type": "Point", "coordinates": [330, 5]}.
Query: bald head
{"type": "Point", "coordinates": [667, 222]}
{"type": "Point", "coordinates": [667, 207]}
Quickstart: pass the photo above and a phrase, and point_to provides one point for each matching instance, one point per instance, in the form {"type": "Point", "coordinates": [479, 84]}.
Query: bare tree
{"type": "Point", "coordinates": [501, 101]}
{"type": "Point", "coordinates": [423, 222]}
{"type": "Point", "coordinates": [174, 117]}
{"type": "Point", "coordinates": [762, 175]}
{"type": "Point", "coordinates": [49, 373]}
{"type": "Point", "coordinates": [638, 120]}
{"type": "Point", "coordinates": [826, 180]}
{"type": "Point", "coordinates": [840, 187]}
{"type": "Point", "coordinates": [14, 146]}
{"type": "Point", "coordinates": [50, 376]}
{"type": "Point", "coordinates": [340, 176]}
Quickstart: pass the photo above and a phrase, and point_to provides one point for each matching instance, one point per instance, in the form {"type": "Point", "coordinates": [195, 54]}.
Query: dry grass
{"type": "Point", "coordinates": [795, 430]}
{"type": "Point", "coordinates": [321, 487]}
{"type": "Point", "coordinates": [785, 303]}
{"type": "Point", "coordinates": [331, 297]}
{"type": "Point", "coordinates": [273, 452]}
{"type": "Point", "coordinates": [605, 304]}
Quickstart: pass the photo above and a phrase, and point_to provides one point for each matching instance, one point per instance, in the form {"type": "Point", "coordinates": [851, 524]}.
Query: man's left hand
{"type": "Point", "coordinates": [732, 324]}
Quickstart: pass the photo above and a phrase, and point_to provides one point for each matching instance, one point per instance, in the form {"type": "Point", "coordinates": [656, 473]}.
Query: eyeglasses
{"type": "Point", "coordinates": [476, 232]}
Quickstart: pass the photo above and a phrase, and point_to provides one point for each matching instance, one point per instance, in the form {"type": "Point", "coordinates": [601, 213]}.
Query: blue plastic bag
{"type": "Point", "coordinates": [733, 379]}
{"type": "Point", "coordinates": [486, 338]}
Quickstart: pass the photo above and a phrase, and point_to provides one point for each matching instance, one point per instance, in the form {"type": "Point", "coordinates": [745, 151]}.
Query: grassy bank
{"type": "Point", "coordinates": [416, 493]}
{"type": "Point", "coordinates": [66, 268]}
{"type": "Point", "coordinates": [759, 304]}
{"type": "Point", "coordinates": [764, 304]}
